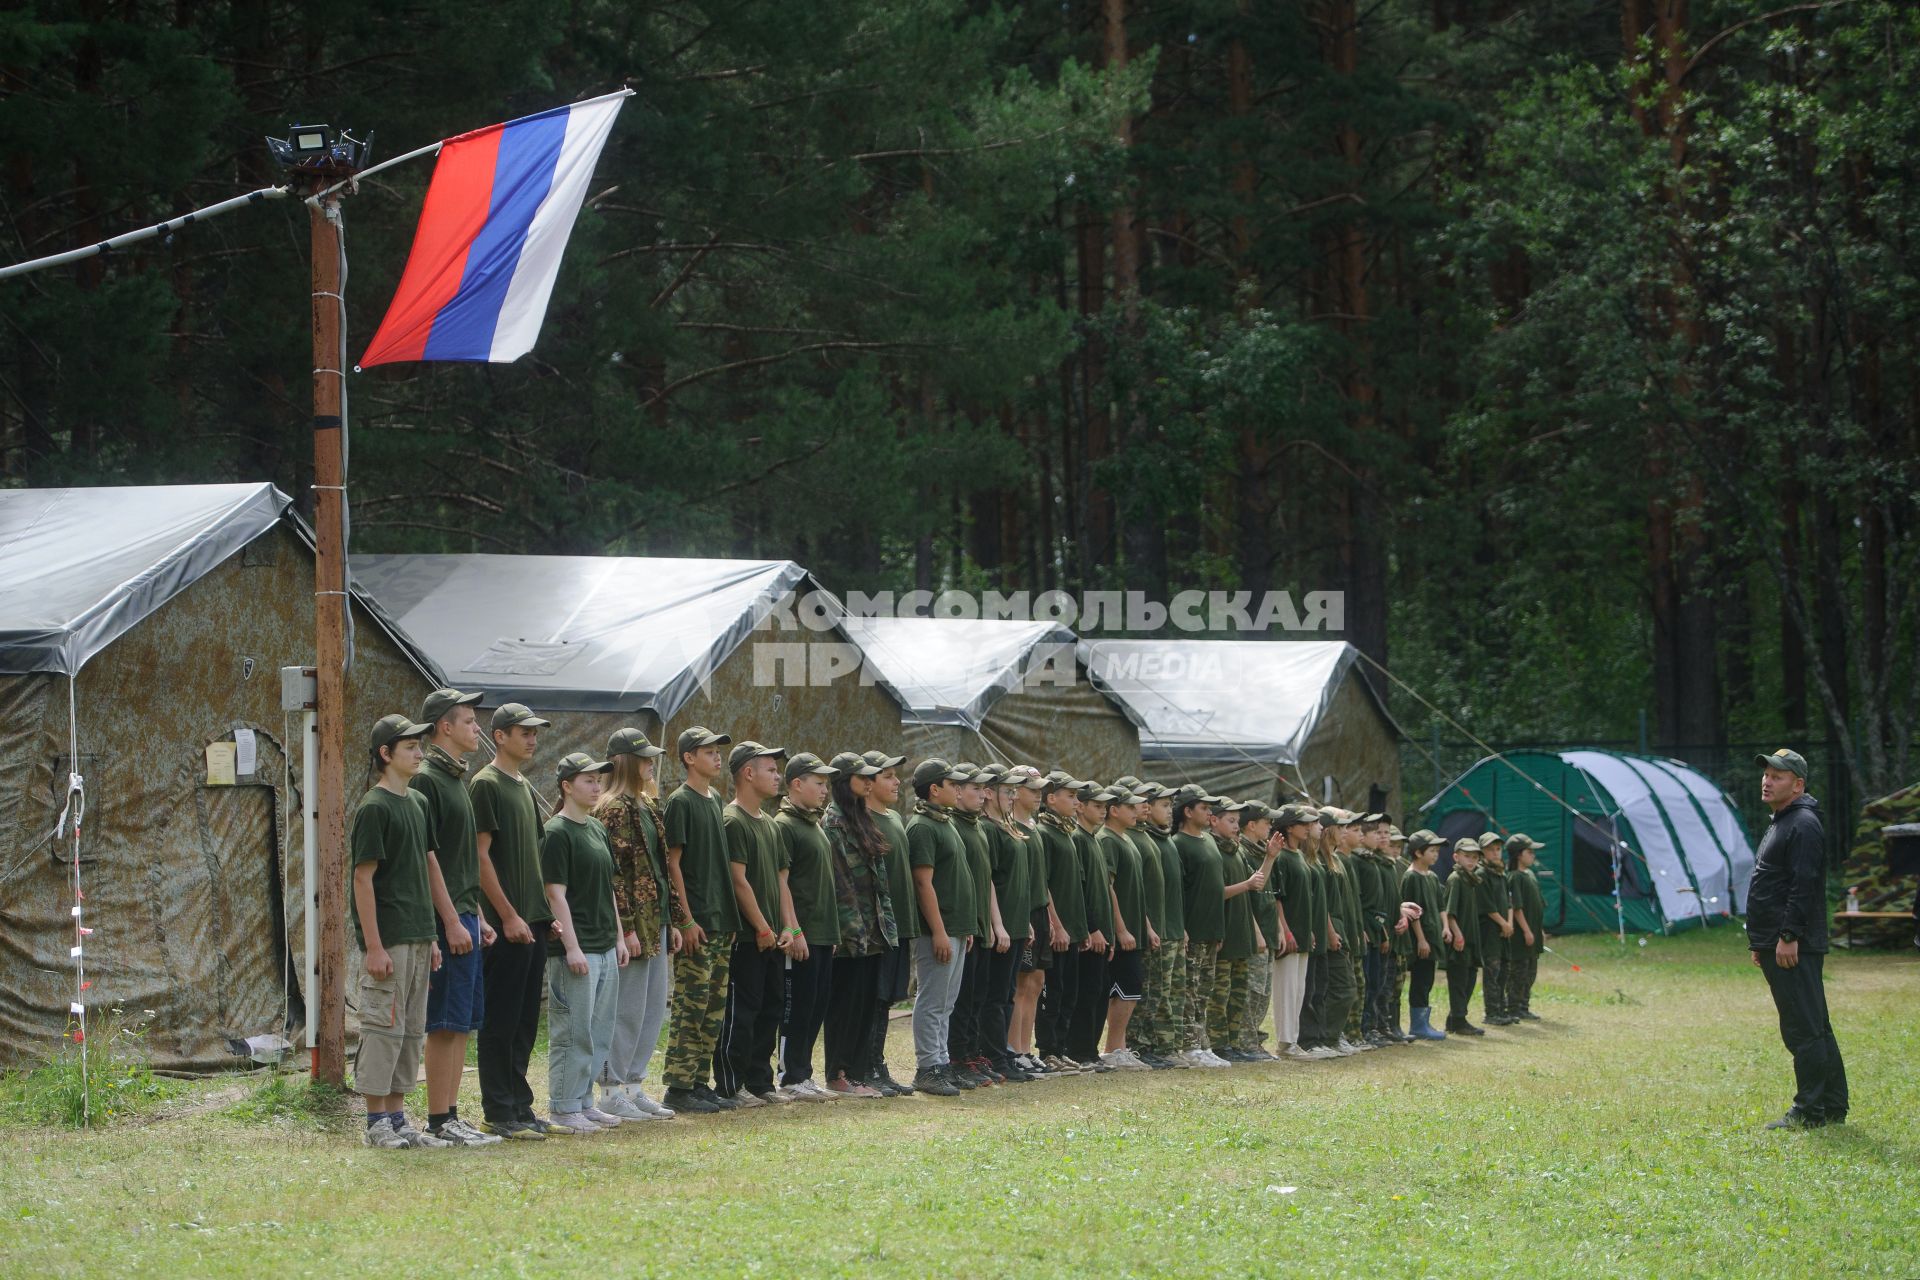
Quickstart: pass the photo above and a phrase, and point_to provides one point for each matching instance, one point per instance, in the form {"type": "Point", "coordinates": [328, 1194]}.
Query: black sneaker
{"type": "Point", "coordinates": [959, 1076]}
{"type": "Point", "coordinates": [1529, 1015]}
{"type": "Point", "coordinates": [935, 1083]}
{"type": "Point", "coordinates": [1468, 1029]}
{"type": "Point", "coordinates": [688, 1100]}
{"type": "Point", "coordinates": [1796, 1119]}
{"type": "Point", "coordinates": [886, 1088]}
{"type": "Point", "coordinates": [720, 1101]}
{"type": "Point", "coordinates": [883, 1080]}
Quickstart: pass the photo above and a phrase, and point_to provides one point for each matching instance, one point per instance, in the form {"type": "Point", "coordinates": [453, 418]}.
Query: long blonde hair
{"type": "Point", "coordinates": [626, 780]}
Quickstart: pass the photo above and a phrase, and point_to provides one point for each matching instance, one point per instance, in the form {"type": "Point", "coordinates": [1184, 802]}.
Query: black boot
{"type": "Point", "coordinates": [880, 1078]}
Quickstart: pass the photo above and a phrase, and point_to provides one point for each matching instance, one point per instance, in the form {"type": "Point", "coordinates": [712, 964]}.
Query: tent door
{"type": "Point", "coordinates": [240, 845]}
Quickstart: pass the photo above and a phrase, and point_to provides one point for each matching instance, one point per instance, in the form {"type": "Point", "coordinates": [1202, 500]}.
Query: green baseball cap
{"type": "Point", "coordinates": [1521, 840]}
{"type": "Point", "coordinates": [1489, 840]}
{"type": "Point", "coordinates": [1792, 761]}
{"type": "Point", "coordinates": [1127, 780]}
{"type": "Point", "coordinates": [969, 768]}
{"type": "Point", "coordinates": [990, 775]}
{"type": "Point", "coordinates": [851, 764]}
{"type": "Point", "coordinates": [509, 715]}
{"type": "Point", "coordinates": [1396, 836]}
{"type": "Point", "coordinates": [1374, 817]}
{"type": "Point", "coordinates": [934, 769]}
{"type": "Point", "coordinates": [1421, 839]}
{"type": "Point", "coordinates": [388, 730]}
{"type": "Point", "coordinates": [1192, 794]}
{"type": "Point", "coordinates": [576, 763]}
{"type": "Point", "coordinates": [806, 762]}
{"type": "Point", "coordinates": [749, 750]}
{"type": "Point", "coordinates": [441, 701]}
{"type": "Point", "coordinates": [1254, 811]}
{"type": "Point", "coordinates": [881, 760]}
{"type": "Point", "coordinates": [697, 736]}
{"type": "Point", "coordinates": [1061, 780]}
{"type": "Point", "coordinates": [632, 742]}
{"type": "Point", "coordinates": [1467, 844]}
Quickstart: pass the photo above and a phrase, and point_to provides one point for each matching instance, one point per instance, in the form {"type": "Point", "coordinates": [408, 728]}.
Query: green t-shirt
{"type": "Point", "coordinates": [1123, 856]}
{"type": "Point", "coordinates": [1204, 879]}
{"type": "Point", "coordinates": [1292, 885]}
{"type": "Point", "coordinates": [933, 842]}
{"type": "Point", "coordinates": [576, 855]}
{"type": "Point", "coordinates": [1463, 908]}
{"type": "Point", "coordinates": [391, 830]}
{"type": "Point", "coordinates": [1524, 888]}
{"type": "Point", "coordinates": [906, 911]}
{"type": "Point", "coordinates": [1266, 899]}
{"type": "Point", "coordinates": [1493, 897]}
{"type": "Point", "coordinates": [693, 826]}
{"type": "Point", "coordinates": [754, 842]}
{"type": "Point", "coordinates": [1062, 857]}
{"type": "Point", "coordinates": [1172, 925]}
{"type": "Point", "coordinates": [1011, 879]}
{"type": "Point", "coordinates": [504, 809]}
{"type": "Point", "coordinates": [973, 836]}
{"type": "Point", "coordinates": [450, 831]}
{"type": "Point", "coordinates": [1034, 895]}
{"type": "Point", "coordinates": [1096, 882]}
{"type": "Point", "coordinates": [1422, 888]}
{"type": "Point", "coordinates": [1152, 888]}
{"type": "Point", "coordinates": [1317, 877]}
{"type": "Point", "coordinates": [1237, 941]}
{"type": "Point", "coordinates": [1343, 889]}
{"type": "Point", "coordinates": [810, 877]}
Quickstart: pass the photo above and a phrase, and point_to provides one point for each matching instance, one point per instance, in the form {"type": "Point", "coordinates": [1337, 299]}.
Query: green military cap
{"type": "Point", "coordinates": [1396, 836]}
{"type": "Point", "coordinates": [1191, 794]}
{"type": "Point", "coordinates": [1467, 844]}
{"type": "Point", "coordinates": [1334, 817]}
{"type": "Point", "coordinates": [990, 775]}
{"type": "Point", "coordinates": [1025, 775]}
{"type": "Point", "coordinates": [1127, 780]}
{"type": "Point", "coordinates": [388, 730]}
{"type": "Point", "coordinates": [577, 763]}
{"type": "Point", "coordinates": [632, 742]}
{"type": "Point", "coordinates": [851, 764]}
{"type": "Point", "coordinates": [972, 770]}
{"type": "Point", "coordinates": [1421, 839]}
{"type": "Point", "coordinates": [881, 760]}
{"type": "Point", "coordinates": [934, 769]}
{"type": "Point", "coordinates": [1253, 811]}
{"type": "Point", "coordinates": [1792, 761]}
{"type": "Point", "coordinates": [698, 736]}
{"type": "Point", "coordinates": [1489, 840]}
{"type": "Point", "coordinates": [1085, 788]}
{"type": "Point", "coordinates": [441, 701]}
{"type": "Point", "coordinates": [1103, 795]}
{"type": "Point", "coordinates": [1061, 780]}
{"type": "Point", "coordinates": [803, 763]}
{"type": "Point", "coordinates": [1521, 840]}
{"type": "Point", "coordinates": [1126, 795]}
{"type": "Point", "coordinates": [1375, 817]}
{"type": "Point", "coordinates": [509, 715]}
{"type": "Point", "coordinates": [1295, 815]}
{"type": "Point", "coordinates": [749, 750]}
{"type": "Point", "coordinates": [1150, 791]}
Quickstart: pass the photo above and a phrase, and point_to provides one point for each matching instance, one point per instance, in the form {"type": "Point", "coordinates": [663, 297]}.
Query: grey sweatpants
{"type": "Point", "coordinates": [641, 1012]}
{"type": "Point", "coordinates": [937, 988]}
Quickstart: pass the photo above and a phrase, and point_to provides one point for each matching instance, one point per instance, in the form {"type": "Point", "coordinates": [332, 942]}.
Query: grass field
{"type": "Point", "coordinates": [1619, 1137]}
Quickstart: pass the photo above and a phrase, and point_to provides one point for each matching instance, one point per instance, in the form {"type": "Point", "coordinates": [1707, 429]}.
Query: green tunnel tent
{"type": "Point", "coordinates": [1666, 835]}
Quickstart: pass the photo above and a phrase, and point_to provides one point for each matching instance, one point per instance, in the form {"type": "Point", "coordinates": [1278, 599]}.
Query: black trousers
{"type": "Point", "coordinates": [743, 1058]}
{"type": "Point", "coordinates": [1313, 1009]}
{"type": "Point", "coordinates": [1420, 983]}
{"type": "Point", "coordinates": [1053, 1020]}
{"type": "Point", "coordinates": [1800, 996]}
{"type": "Point", "coordinates": [895, 969]}
{"type": "Point", "coordinates": [1373, 968]}
{"type": "Point", "coordinates": [849, 1017]}
{"type": "Point", "coordinates": [515, 974]}
{"type": "Point", "coordinates": [1003, 972]}
{"type": "Point", "coordinates": [1089, 1007]}
{"type": "Point", "coordinates": [1461, 974]}
{"type": "Point", "coordinates": [964, 1032]}
{"type": "Point", "coordinates": [803, 1012]}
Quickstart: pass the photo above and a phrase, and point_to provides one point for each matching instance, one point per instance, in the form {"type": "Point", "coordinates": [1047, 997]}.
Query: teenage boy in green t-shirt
{"type": "Point", "coordinates": [703, 887]}
{"type": "Point", "coordinates": [456, 1002]}
{"type": "Point", "coordinates": [1054, 825]}
{"type": "Point", "coordinates": [393, 917]}
{"type": "Point", "coordinates": [966, 1047]}
{"type": "Point", "coordinates": [1498, 937]}
{"type": "Point", "coordinates": [1133, 935]}
{"type": "Point", "coordinates": [816, 912]}
{"type": "Point", "coordinates": [768, 937]}
{"type": "Point", "coordinates": [506, 824]}
{"type": "Point", "coordinates": [1462, 922]}
{"type": "Point", "coordinates": [1529, 922]}
{"type": "Point", "coordinates": [943, 891]}
{"type": "Point", "coordinates": [896, 965]}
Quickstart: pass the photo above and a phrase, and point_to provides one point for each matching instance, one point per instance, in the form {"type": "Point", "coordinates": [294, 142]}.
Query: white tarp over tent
{"type": "Point", "coordinates": [1691, 803]}
{"type": "Point", "coordinates": [952, 670]}
{"type": "Point", "coordinates": [1205, 699]}
{"type": "Point", "coordinates": [1660, 843]}
{"type": "Point", "coordinates": [590, 633]}
{"type": "Point", "coordinates": [80, 567]}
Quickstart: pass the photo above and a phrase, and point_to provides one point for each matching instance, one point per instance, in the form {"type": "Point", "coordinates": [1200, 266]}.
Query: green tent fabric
{"type": "Point", "coordinates": [1657, 831]}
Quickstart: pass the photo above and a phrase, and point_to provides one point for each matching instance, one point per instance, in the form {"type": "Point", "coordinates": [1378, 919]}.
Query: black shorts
{"type": "Point", "coordinates": [1126, 976]}
{"type": "Point", "coordinates": [1037, 952]}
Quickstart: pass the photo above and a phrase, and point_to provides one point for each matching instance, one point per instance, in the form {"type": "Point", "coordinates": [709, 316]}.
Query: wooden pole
{"type": "Point", "coordinates": [330, 634]}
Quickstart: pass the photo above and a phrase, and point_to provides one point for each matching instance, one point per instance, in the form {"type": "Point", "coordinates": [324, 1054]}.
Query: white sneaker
{"type": "Point", "coordinates": [1295, 1051]}
{"type": "Point", "coordinates": [382, 1135]}
{"type": "Point", "coordinates": [638, 1097]}
{"type": "Point", "coordinates": [605, 1119]}
{"type": "Point", "coordinates": [748, 1101]}
{"type": "Point", "coordinates": [813, 1091]}
{"type": "Point", "coordinates": [614, 1102]}
{"type": "Point", "coordinates": [462, 1134]}
{"type": "Point", "coordinates": [1215, 1060]}
{"type": "Point", "coordinates": [418, 1137]}
{"type": "Point", "coordinates": [779, 1096]}
{"type": "Point", "coordinates": [1134, 1061]}
{"type": "Point", "coordinates": [573, 1122]}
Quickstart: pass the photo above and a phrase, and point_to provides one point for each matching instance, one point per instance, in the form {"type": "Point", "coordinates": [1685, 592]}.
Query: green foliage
{"type": "Point", "coordinates": [71, 1089]}
{"type": "Point", "coordinates": [292, 1100]}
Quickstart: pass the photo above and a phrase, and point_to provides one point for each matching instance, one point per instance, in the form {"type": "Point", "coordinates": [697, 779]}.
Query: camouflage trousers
{"type": "Point", "coordinates": [1523, 967]}
{"type": "Point", "coordinates": [1202, 962]}
{"type": "Point", "coordinates": [1396, 989]}
{"type": "Point", "coordinates": [1167, 997]}
{"type": "Point", "coordinates": [1259, 996]}
{"type": "Point", "coordinates": [1226, 1005]}
{"type": "Point", "coordinates": [698, 1010]}
{"type": "Point", "coordinates": [1493, 980]}
{"type": "Point", "coordinates": [1356, 1012]}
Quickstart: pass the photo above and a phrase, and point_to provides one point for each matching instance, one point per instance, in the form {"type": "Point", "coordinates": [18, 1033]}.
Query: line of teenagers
{"type": "Point", "coordinates": [1050, 925]}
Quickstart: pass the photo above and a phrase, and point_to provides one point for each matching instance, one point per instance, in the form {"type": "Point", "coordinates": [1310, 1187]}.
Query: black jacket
{"type": "Point", "coordinates": [1789, 885]}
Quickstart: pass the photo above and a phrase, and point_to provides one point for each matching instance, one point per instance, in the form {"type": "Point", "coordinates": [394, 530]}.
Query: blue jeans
{"type": "Point", "coordinates": [580, 1017]}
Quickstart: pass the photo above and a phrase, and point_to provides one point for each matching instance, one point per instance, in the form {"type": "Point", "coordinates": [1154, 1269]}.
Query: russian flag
{"type": "Point", "coordinates": [494, 226]}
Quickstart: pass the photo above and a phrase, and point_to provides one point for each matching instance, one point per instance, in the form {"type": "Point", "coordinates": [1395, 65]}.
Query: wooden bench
{"type": "Point", "coordinates": [1846, 919]}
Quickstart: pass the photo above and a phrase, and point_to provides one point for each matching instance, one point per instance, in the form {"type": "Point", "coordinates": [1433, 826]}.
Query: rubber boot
{"type": "Point", "coordinates": [1423, 1028]}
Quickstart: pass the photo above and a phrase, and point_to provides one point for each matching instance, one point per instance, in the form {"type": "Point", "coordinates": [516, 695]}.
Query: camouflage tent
{"type": "Point", "coordinates": [1883, 864]}
{"type": "Point", "coordinates": [1256, 719]}
{"type": "Point", "coordinates": [598, 643]}
{"type": "Point", "coordinates": [981, 689]}
{"type": "Point", "coordinates": [164, 614]}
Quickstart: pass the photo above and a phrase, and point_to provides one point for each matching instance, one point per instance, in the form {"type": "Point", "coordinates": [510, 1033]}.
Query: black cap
{"type": "Point", "coordinates": [441, 701]}
{"type": "Point", "coordinates": [806, 762]}
{"type": "Point", "coordinates": [575, 763]}
{"type": "Point", "coordinates": [851, 764]}
{"type": "Point", "coordinates": [509, 714]}
{"type": "Point", "coordinates": [934, 769]}
{"type": "Point", "coordinates": [632, 742]}
{"type": "Point", "coordinates": [749, 750]}
{"type": "Point", "coordinates": [698, 736]}
{"type": "Point", "coordinates": [388, 730]}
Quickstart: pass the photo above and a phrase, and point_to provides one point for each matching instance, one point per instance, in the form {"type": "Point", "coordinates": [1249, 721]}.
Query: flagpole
{"type": "Point", "coordinates": [328, 895]}
{"type": "Point", "coordinates": [166, 228]}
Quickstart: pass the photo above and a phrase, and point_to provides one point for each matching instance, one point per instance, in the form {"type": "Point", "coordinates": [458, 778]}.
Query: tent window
{"type": "Point", "coordinates": [91, 762]}
{"type": "Point", "coordinates": [1593, 861]}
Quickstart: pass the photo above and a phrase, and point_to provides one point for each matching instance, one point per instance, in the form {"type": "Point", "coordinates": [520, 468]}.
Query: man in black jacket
{"type": "Point", "coordinates": [1787, 932]}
